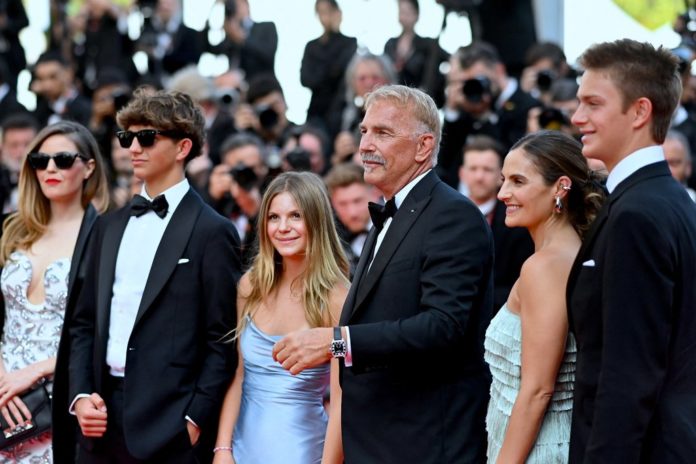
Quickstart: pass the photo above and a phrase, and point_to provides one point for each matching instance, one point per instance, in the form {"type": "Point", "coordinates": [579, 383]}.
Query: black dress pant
{"type": "Point", "coordinates": [111, 448]}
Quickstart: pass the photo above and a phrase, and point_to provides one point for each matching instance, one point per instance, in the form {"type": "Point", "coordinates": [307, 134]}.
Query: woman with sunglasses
{"type": "Point", "coordinates": [41, 247]}
{"type": "Point", "coordinates": [297, 280]}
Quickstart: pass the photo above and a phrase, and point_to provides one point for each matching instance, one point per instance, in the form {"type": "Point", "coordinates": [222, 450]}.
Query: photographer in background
{"type": "Point", "coordinates": [248, 45]}
{"type": "Point", "coordinates": [545, 63]}
{"type": "Point", "coordinates": [111, 93]}
{"type": "Point", "coordinates": [305, 150]}
{"type": "Point", "coordinates": [480, 99]}
{"type": "Point", "coordinates": [264, 113]}
{"type": "Point", "coordinates": [57, 98]}
{"type": "Point", "coordinates": [236, 185]}
{"type": "Point", "coordinates": [562, 103]}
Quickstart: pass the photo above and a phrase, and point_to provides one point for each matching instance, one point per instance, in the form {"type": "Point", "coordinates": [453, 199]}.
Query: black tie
{"type": "Point", "coordinates": [380, 213]}
{"type": "Point", "coordinates": [141, 205]}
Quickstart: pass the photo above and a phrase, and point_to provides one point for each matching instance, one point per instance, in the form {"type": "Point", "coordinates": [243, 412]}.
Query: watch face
{"type": "Point", "coordinates": [338, 348]}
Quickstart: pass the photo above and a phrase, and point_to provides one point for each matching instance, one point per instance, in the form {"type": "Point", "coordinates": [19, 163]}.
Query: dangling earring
{"type": "Point", "coordinates": [558, 208]}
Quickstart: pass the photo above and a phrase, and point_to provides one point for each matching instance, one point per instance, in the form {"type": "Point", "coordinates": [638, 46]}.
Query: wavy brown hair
{"type": "Point", "coordinates": [326, 263]}
{"type": "Point", "coordinates": [24, 227]}
{"type": "Point", "coordinates": [171, 111]}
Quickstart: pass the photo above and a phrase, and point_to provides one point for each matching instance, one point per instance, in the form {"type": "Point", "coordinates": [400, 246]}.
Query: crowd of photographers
{"type": "Point", "coordinates": [92, 64]}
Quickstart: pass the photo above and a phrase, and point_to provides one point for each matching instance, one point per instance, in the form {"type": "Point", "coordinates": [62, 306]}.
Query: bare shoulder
{"type": "Point", "coordinates": [545, 270]}
{"type": "Point", "coordinates": [244, 287]}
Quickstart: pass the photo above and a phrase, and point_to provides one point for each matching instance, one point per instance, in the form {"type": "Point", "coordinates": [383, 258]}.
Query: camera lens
{"type": "Point", "coordinates": [268, 118]}
{"type": "Point", "coordinates": [474, 89]}
{"type": "Point", "coordinates": [545, 80]}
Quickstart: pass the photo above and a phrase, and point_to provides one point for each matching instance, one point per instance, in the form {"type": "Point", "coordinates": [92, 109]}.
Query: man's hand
{"type": "Point", "coordinates": [91, 415]}
{"type": "Point", "coordinates": [304, 349]}
{"type": "Point", "coordinates": [194, 432]}
{"type": "Point", "coordinates": [220, 180]}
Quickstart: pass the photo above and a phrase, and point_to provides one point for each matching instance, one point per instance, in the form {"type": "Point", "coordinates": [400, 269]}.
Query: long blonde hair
{"type": "Point", "coordinates": [24, 227]}
{"type": "Point", "coordinates": [326, 263]}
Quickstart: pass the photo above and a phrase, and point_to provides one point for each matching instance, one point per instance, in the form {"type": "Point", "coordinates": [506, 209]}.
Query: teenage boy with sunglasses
{"type": "Point", "coordinates": [150, 361]}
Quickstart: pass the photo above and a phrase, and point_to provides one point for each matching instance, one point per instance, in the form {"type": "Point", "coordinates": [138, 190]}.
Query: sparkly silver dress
{"type": "Point", "coordinates": [503, 354]}
{"type": "Point", "coordinates": [31, 334]}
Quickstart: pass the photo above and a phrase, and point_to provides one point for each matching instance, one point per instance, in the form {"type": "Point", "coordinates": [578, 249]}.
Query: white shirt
{"type": "Point", "coordinates": [633, 162]}
{"type": "Point", "coordinates": [136, 253]}
{"type": "Point", "coordinates": [398, 199]}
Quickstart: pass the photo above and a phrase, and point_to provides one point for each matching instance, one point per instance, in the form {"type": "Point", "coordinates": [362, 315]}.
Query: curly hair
{"type": "Point", "coordinates": [171, 111]}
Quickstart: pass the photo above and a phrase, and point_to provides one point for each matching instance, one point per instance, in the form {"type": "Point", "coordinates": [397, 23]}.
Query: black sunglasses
{"type": "Point", "coordinates": [146, 137]}
{"type": "Point", "coordinates": [63, 159]}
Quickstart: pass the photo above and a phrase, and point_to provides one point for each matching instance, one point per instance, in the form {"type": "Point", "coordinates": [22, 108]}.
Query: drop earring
{"type": "Point", "coordinates": [558, 208]}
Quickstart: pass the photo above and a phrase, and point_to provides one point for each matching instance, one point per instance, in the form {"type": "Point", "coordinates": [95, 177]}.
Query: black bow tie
{"type": "Point", "coordinates": [141, 205]}
{"type": "Point", "coordinates": [380, 213]}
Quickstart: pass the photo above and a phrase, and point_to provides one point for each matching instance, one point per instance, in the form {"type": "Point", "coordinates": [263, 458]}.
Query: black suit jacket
{"type": "Point", "coordinates": [513, 245]}
{"type": "Point", "coordinates": [418, 387]}
{"type": "Point", "coordinates": [177, 363]}
{"type": "Point", "coordinates": [632, 307]}
{"type": "Point", "coordinates": [65, 424]}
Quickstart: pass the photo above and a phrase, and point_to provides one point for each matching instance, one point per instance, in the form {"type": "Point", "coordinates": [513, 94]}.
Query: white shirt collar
{"type": "Point", "coordinates": [487, 207]}
{"type": "Point", "coordinates": [633, 162]}
{"type": "Point", "coordinates": [507, 92]}
{"type": "Point", "coordinates": [173, 194]}
{"type": "Point", "coordinates": [4, 90]}
{"type": "Point", "coordinates": [401, 194]}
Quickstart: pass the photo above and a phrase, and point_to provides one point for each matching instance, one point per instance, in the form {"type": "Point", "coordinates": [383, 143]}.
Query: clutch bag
{"type": "Point", "coordinates": [38, 401]}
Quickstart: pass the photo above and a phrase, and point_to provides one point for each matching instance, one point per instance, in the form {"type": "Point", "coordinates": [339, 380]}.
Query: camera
{"type": "Point", "coordinates": [298, 159]}
{"type": "Point", "coordinates": [244, 176]}
{"type": "Point", "coordinates": [268, 118]}
{"type": "Point", "coordinates": [552, 119]}
{"type": "Point", "coordinates": [475, 89]}
{"type": "Point", "coordinates": [227, 97]}
{"type": "Point", "coordinates": [545, 79]}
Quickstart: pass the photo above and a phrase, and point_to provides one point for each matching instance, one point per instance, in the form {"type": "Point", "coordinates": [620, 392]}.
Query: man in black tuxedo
{"type": "Point", "coordinates": [415, 387]}
{"type": "Point", "coordinates": [480, 180]}
{"type": "Point", "coordinates": [350, 195]}
{"type": "Point", "coordinates": [631, 293]}
{"type": "Point", "coordinates": [150, 363]}
{"type": "Point", "coordinates": [480, 99]}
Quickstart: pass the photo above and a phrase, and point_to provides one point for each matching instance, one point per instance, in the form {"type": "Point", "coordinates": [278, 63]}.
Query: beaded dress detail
{"type": "Point", "coordinates": [503, 346]}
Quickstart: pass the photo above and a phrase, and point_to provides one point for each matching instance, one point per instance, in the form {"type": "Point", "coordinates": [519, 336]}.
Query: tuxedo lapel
{"type": "Point", "coordinates": [170, 249]}
{"type": "Point", "coordinates": [85, 228]}
{"type": "Point", "coordinates": [110, 244]}
{"type": "Point", "coordinates": [644, 173]}
{"type": "Point", "coordinates": [360, 270]}
{"type": "Point", "coordinates": [401, 223]}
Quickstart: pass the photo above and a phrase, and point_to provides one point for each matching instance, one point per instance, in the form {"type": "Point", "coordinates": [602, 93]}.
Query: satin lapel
{"type": "Point", "coordinates": [107, 268]}
{"type": "Point", "coordinates": [88, 221]}
{"type": "Point", "coordinates": [359, 271]}
{"type": "Point", "coordinates": [170, 249]}
{"type": "Point", "coordinates": [399, 227]}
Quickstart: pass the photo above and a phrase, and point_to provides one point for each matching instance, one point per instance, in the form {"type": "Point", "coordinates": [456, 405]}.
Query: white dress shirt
{"type": "Point", "coordinates": [633, 162]}
{"type": "Point", "coordinates": [398, 199]}
{"type": "Point", "coordinates": [136, 253]}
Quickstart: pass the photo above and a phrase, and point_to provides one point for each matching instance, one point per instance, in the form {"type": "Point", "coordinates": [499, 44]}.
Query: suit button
{"type": "Point", "coordinates": [130, 348]}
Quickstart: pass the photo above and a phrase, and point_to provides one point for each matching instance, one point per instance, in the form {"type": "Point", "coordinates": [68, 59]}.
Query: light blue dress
{"type": "Point", "coordinates": [503, 354]}
{"type": "Point", "coordinates": [282, 417]}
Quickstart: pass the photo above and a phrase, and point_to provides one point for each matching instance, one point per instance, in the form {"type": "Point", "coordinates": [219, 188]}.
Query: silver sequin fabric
{"type": "Point", "coordinates": [31, 334]}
